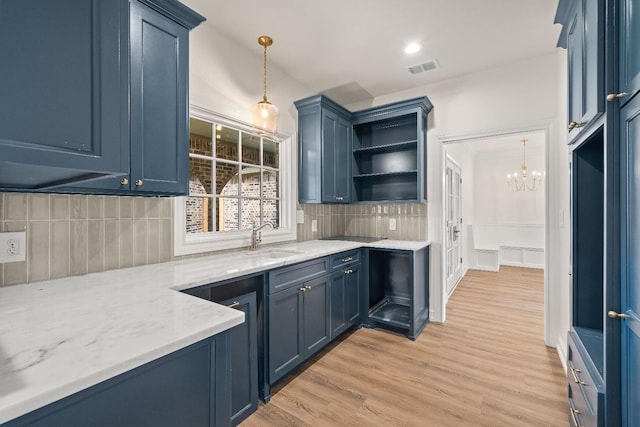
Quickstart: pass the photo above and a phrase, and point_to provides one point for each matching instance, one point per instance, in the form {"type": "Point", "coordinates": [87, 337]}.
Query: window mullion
{"type": "Point", "coordinates": [239, 158]}
{"type": "Point", "coordinates": [214, 180]}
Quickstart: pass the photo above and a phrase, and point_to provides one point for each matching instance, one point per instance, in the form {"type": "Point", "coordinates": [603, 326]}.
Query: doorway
{"type": "Point", "coordinates": [548, 244]}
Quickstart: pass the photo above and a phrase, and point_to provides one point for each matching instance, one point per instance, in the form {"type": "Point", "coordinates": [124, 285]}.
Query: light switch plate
{"type": "Point", "coordinates": [300, 217]}
{"type": "Point", "coordinates": [392, 224]}
{"type": "Point", "coordinates": [314, 225]}
{"type": "Point", "coordinates": [13, 246]}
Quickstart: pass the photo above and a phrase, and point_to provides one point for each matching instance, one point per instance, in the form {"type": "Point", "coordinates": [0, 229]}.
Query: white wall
{"type": "Point", "coordinates": [494, 203]}
{"type": "Point", "coordinates": [562, 237]}
{"type": "Point", "coordinates": [226, 78]}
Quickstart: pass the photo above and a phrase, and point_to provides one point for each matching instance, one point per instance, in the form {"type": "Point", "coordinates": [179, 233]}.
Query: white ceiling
{"type": "Point", "coordinates": [352, 50]}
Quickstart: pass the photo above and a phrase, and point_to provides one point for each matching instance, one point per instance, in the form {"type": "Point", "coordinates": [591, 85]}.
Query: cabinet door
{"type": "Point", "coordinates": [316, 315]}
{"type": "Point", "coordinates": [309, 155]}
{"type": "Point", "coordinates": [338, 320]}
{"type": "Point", "coordinates": [630, 253]}
{"type": "Point", "coordinates": [342, 160]}
{"type": "Point", "coordinates": [336, 158]}
{"type": "Point", "coordinates": [574, 69]}
{"type": "Point", "coordinates": [159, 100]}
{"type": "Point", "coordinates": [593, 98]}
{"type": "Point", "coordinates": [63, 90]}
{"type": "Point", "coordinates": [629, 25]}
{"type": "Point", "coordinates": [352, 294]}
{"type": "Point", "coordinates": [286, 349]}
{"type": "Point", "coordinates": [329, 156]}
{"type": "Point", "coordinates": [243, 355]}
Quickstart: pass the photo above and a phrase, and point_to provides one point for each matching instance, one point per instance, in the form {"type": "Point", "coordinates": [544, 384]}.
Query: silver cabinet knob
{"type": "Point", "coordinates": [615, 315]}
{"type": "Point", "coordinates": [124, 181]}
{"type": "Point", "coordinates": [614, 96]}
{"type": "Point", "coordinates": [139, 182]}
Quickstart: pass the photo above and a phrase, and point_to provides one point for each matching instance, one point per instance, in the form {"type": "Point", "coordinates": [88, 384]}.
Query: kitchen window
{"type": "Point", "coordinates": [236, 182]}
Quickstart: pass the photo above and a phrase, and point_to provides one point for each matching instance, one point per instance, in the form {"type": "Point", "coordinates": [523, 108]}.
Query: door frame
{"type": "Point", "coordinates": [449, 159]}
{"type": "Point", "coordinates": [552, 204]}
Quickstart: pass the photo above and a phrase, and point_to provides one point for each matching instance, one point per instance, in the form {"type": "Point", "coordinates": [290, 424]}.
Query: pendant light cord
{"type": "Point", "coordinates": [264, 96]}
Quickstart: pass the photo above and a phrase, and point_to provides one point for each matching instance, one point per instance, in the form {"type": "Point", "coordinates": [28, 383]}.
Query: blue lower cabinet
{"type": "Point", "coordinates": [189, 387]}
{"type": "Point", "coordinates": [345, 299]}
{"type": "Point", "coordinates": [316, 315]}
{"type": "Point", "coordinates": [353, 283]}
{"type": "Point", "coordinates": [585, 385]}
{"type": "Point", "coordinates": [398, 290]}
{"type": "Point", "coordinates": [298, 325]}
{"type": "Point", "coordinates": [243, 355]}
{"type": "Point", "coordinates": [285, 346]}
{"type": "Point", "coordinates": [337, 319]}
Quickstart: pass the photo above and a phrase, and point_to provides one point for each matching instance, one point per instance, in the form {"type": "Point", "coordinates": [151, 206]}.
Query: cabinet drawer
{"type": "Point", "coordinates": [345, 258]}
{"type": "Point", "coordinates": [586, 391]}
{"type": "Point", "coordinates": [284, 278]}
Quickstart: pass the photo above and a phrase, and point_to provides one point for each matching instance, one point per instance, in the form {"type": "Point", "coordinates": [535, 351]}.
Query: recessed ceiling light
{"type": "Point", "coordinates": [412, 48]}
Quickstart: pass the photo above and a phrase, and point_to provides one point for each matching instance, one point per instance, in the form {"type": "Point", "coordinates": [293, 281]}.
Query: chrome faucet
{"type": "Point", "coordinates": [256, 236]}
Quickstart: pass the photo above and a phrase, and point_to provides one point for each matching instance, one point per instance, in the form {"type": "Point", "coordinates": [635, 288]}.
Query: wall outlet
{"type": "Point", "coordinates": [314, 225]}
{"type": "Point", "coordinates": [392, 224]}
{"type": "Point", "coordinates": [13, 246]}
{"type": "Point", "coordinates": [300, 217]}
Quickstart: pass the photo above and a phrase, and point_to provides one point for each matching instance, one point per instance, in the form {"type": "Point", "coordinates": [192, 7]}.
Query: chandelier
{"type": "Point", "coordinates": [264, 114]}
{"type": "Point", "coordinates": [522, 182]}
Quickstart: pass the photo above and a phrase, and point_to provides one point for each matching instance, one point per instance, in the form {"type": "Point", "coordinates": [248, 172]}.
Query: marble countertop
{"type": "Point", "coordinates": [61, 336]}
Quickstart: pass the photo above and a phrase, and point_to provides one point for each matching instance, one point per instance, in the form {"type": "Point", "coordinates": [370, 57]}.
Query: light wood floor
{"type": "Point", "coordinates": [486, 366]}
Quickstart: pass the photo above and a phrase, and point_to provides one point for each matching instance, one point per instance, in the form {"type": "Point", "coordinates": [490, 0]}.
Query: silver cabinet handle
{"type": "Point", "coordinates": [233, 304]}
{"type": "Point", "coordinates": [347, 259]}
{"type": "Point", "coordinates": [348, 271]}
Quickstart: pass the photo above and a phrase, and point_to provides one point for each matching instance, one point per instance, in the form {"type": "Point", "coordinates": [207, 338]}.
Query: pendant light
{"type": "Point", "coordinates": [265, 114]}
{"type": "Point", "coordinates": [522, 182]}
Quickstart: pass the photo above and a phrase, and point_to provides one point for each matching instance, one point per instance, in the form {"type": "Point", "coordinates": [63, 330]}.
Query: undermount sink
{"type": "Point", "coordinates": [272, 253]}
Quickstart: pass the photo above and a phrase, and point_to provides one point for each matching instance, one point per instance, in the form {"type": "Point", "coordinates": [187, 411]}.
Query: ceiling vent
{"type": "Point", "coordinates": [427, 66]}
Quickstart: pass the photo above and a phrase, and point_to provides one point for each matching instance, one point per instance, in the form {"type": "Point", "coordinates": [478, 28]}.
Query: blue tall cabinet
{"type": "Point", "coordinates": [324, 151]}
{"type": "Point", "coordinates": [602, 38]}
{"type": "Point", "coordinates": [94, 96]}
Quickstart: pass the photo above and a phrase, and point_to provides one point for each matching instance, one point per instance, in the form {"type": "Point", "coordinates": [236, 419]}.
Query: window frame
{"type": "Point", "coordinates": [188, 244]}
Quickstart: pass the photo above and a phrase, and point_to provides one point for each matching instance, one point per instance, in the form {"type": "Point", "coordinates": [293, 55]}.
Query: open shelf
{"type": "Point", "coordinates": [392, 312]}
{"type": "Point", "coordinates": [385, 159]}
{"type": "Point", "coordinates": [400, 186]}
{"type": "Point", "coordinates": [588, 233]}
{"type": "Point", "coordinates": [385, 148]}
{"type": "Point", "coordinates": [385, 132]}
{"type": "Point", "coordinates": [386, 174]}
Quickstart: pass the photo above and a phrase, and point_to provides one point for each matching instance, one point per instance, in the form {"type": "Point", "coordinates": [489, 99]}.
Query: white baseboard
{"type": "Point", "coordinates": [561, 348]}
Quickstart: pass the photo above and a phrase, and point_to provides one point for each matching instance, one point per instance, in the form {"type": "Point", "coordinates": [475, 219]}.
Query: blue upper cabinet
{"type": "Point", "coordinates": [390, 152]}
{"type": "Point", "coordinates": [93, 98]}
{"type": "Point", "coordinates": [583, 27]}
{"type": "Point", "coordinates": [324, 151]}
{"type": "Point", "coordinates": [370, 156]}
{"type": "Point", "coordinates": [63, 86]}
{"type": "Point", "coordinates": [629, 54]}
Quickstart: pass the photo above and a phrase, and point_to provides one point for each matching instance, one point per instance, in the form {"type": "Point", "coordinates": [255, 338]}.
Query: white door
{"type": "Point", "coordinates": [453, 182]}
